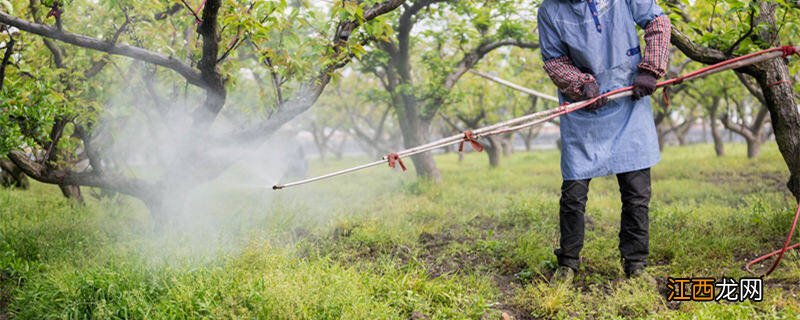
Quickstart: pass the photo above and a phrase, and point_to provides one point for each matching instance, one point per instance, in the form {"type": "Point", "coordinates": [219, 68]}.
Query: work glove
{"type": "Point", "coordinates": [591, 90]}
{"type": "Point", "coordinates": [644, 84]}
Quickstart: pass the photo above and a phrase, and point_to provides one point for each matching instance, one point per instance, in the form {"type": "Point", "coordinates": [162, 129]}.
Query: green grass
{"type": "Point", "coordinates": [378, 244]}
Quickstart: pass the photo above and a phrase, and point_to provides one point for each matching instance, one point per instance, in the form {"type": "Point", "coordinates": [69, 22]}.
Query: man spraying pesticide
{"type": "Point", "coordinates": [590, 47]}
{"type": "Point", "coordinates": [592, 53]}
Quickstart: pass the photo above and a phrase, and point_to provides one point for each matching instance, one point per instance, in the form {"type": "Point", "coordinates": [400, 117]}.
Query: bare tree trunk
{"type": "Point", "coordinates": [426, 166]}
{"type": "Point", "coordinates": [680, 137]}
{"type": "Point", "coordinates": [682, 131]}
{"type": "Point", "coordinates": [532, 132]}
{"type": "Point", "coordinates": [785, 118]}
{"type": "Point", "coordinates": [507, 144]}
{"type": "Point", "coordinates": [527, 142]}
{"type": "Point", "coordinates": [494, 150]}
{"type": "Point", "coordinates": [416, 132]}
{"type": "Point", "coordinates": [719, 145]}
{"type": "Point", "coordinates": [71, 192]}
{"type": "Point", "coordinates": [321, 139]}
{"type": "Point", "coordinates": [339, 151]}
{"type": "Point", "coordinates": [704, 126]}
{"type": "Point", "coordinates": [529, 135]}
{"type": "Point", "coordinates": [753, 148]}
{"type": "Point", "coordinates": [780, 100]}
{"type": "Point", "coordinates": [662, 134]}
{"type": "Point", "coordinates": [659, 117]}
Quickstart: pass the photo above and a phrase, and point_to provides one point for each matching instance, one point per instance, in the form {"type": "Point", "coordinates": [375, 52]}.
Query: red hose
{"type": "Point", "coordinates": [779, 252]}
{"type": "Point", "coordinates": [787, 51]}
{"type": "Point", "coordinates": [200, 8]}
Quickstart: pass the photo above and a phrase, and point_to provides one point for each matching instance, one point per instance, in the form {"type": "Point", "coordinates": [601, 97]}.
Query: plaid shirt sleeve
{"type": "Point", "coordinates": [567, 77]}
{"type": "Point", "coordinates": [656, 51]}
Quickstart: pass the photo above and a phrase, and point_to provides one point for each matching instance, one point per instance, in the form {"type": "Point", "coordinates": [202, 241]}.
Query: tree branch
{"type": "Point", "coordinates": [131, 186]}
{"type": "Point", "coordinates": [212, 79]}
{"type": "Point", "coordinates": [473, 57]}
{"type": "Point", "coordinates": [761, 117]}
{"type": "Point", "coordinates": [309, 92]}
{"type": "Point", "coordinates": [405, 24]}
{"type": "Point", "coordinates": [168, 12]}
{"type": "Point", "coordinates": [96, 67]}
{"type": "Point", "coordinates": [736, 127]}
{"type": "Point", "coordinates": [700, 53]}
{"type": "Point", "coordinates": [744, 36]}
{"type": "Point", "coordinates": [276, 81]}
{"type": "Point", "coordinates": [466, 63]}
{"type": "Point", "coordinates": [6, 60]}
{"type": "Point", "coordinates": [58, 55]}
{"type": "Point", "coordinates": [83, 41]}
{"type": "Point", "coordinates": [192, 11]}
{"type": "Point", "coordinates": [752, 87]}
{"type": "Point", "coordinates": [91, 153]}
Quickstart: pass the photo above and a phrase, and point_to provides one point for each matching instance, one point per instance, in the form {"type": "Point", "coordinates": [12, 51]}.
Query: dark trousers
{"type": "Point", "coordinates": [634, 187]}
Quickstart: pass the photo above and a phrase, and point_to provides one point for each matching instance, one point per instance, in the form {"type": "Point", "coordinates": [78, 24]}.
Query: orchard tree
{"type": "Point", "coordinates": [371, 120]}
{"type": "Point", "coordinates": [419, 70]}
{"type": "Point", "coordinates": [358, 108]}
{"type": "Point", "coordinates": [521, 67]}
{"type": "Point", "coordinates": [708, 92]}
{"type": "Point", "coordinates": [663, 112]}
{"type": "Point", "coordinates": [678, 121]}
{"type": "Point", "coordinates": [325, 123]}
{"type": "Point", "coordinates": [746, 116]}
{"type": "Point", "coordinates": [195, 62]}
{"type": "Point", "coordinates": [477, 102]}
{"type": "Point", "coordinates": [734, 27]}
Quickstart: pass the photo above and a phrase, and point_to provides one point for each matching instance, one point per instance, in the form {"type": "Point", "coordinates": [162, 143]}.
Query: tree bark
{"type": "Point", "coordinates": [72, 192]}
{"type": "Point", "coordinates": [507, 143]}
{"type": "Point", "coordinates": [494, 150]}
{"type": "Point", "coordinates": [527, 138]}
{"type": "Point", "coordinates": [752, 134]}
{"type": "Point", "coordinates": [321, 139]}
{"type": "Point", "coordinates": [753, 148]}
{"type": "Point", "coordinates": [785, 117]}
{"type": "Point", "coordinates": [771, 77]}
{"type": "Point", "coordinates": [12, 176]}
{"type": "Point", "coordinates": [704, 127]}
{"type": "Point", "coordinates": [658, 119]}
{"type": "Point", "coordinates": [719, 145]}
{"type": "Point", "coordinates": [662, 133]}
{"type": "Point", "coordinates": [416, 132]}
{"type": "Point", "coordinates": [683, 130]}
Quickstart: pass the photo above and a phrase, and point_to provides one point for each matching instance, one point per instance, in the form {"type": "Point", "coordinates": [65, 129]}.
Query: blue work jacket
{"type": "Point", "coordinates": [621, 136]}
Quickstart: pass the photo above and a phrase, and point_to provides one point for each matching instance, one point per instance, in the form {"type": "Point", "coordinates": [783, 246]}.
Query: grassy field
{"type": "Point", "coordinates": [378, 245]}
